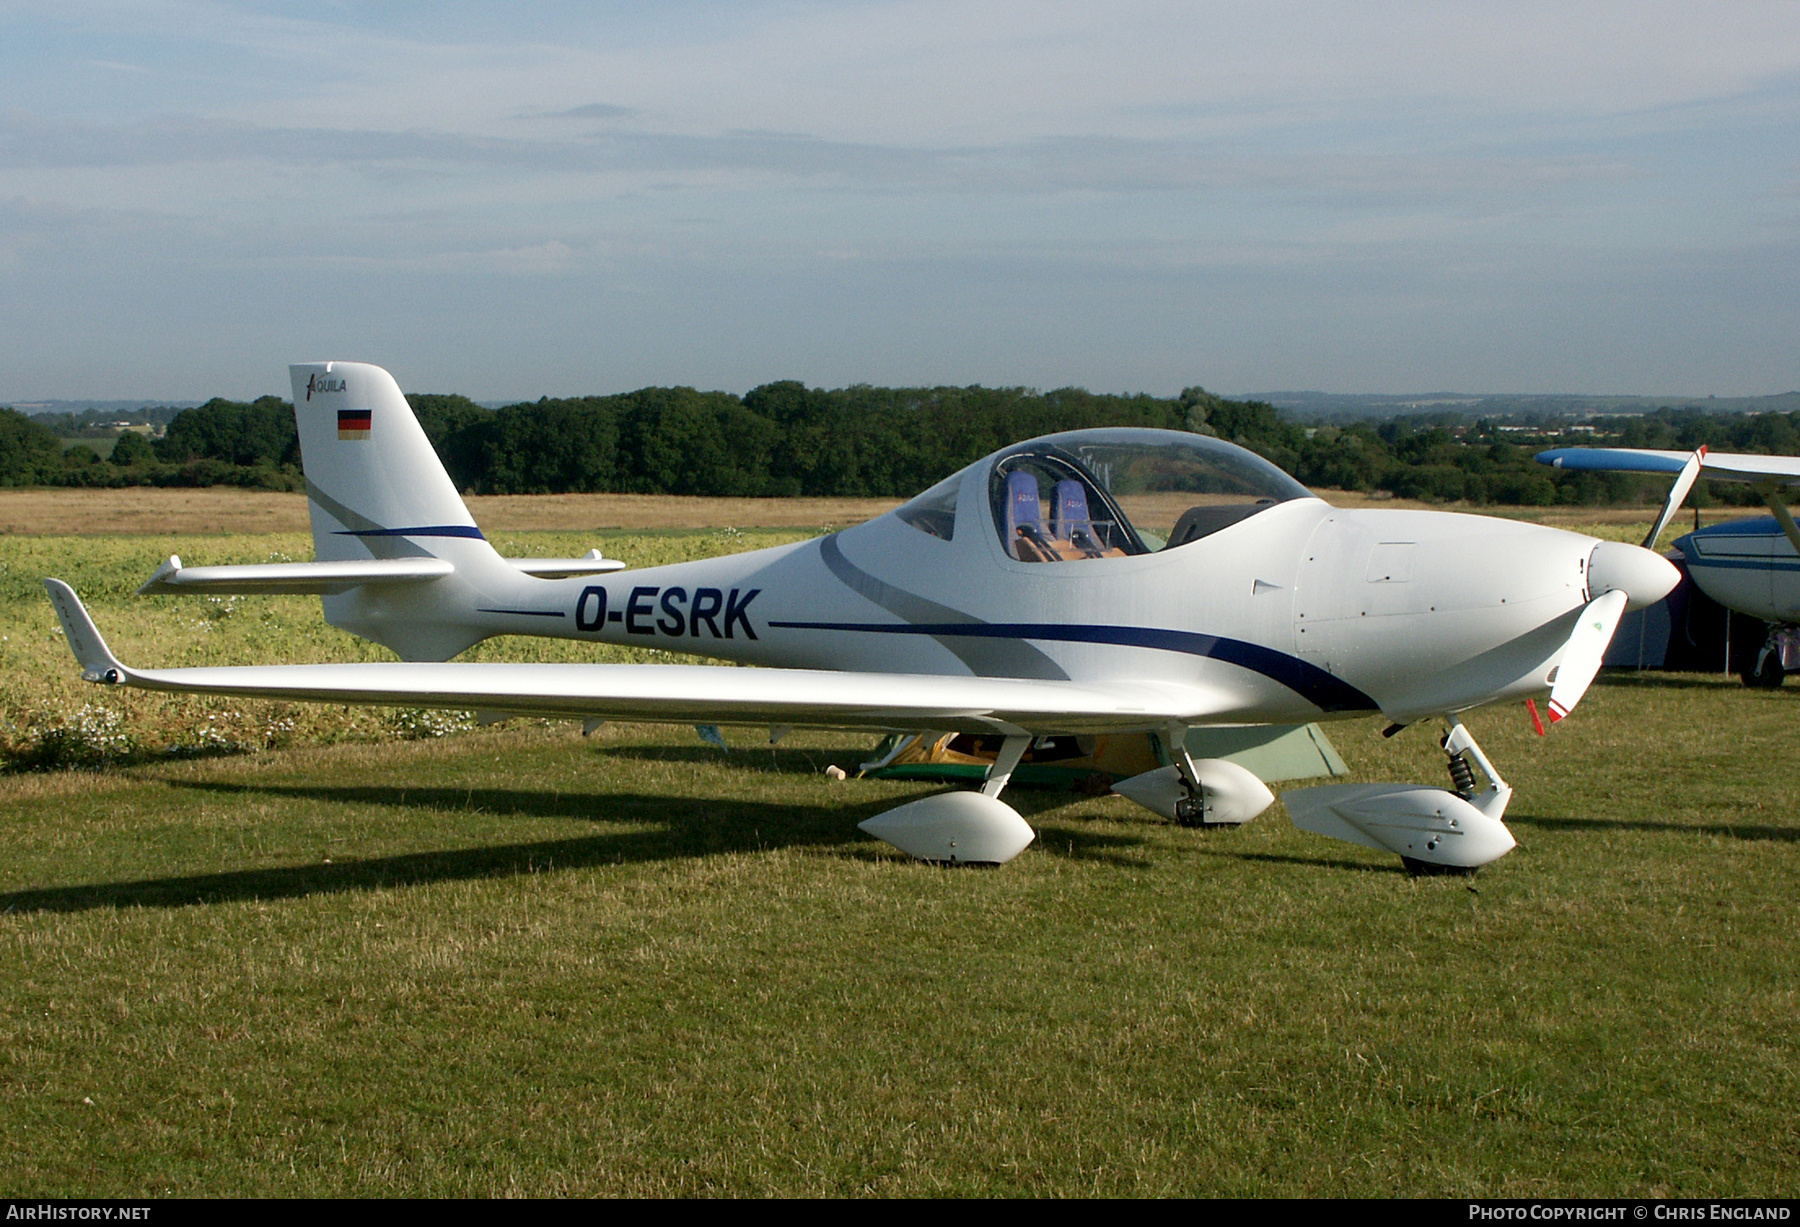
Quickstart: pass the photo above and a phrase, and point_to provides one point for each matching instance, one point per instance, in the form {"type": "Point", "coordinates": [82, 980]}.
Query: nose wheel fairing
{"type": "Point", "coordinates": [1430, 829]}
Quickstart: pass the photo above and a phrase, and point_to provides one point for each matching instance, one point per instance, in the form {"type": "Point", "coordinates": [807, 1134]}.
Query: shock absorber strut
{"type": "Point", "coordinates": [1462, 776]}
{"type": "Point", "coordinates": [1460, 747]}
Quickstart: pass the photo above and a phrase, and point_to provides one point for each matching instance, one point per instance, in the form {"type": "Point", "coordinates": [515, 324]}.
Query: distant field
{"type": "Point", "coordinates": [221, 510]}
{"type": "Point", "coordinates": [216, 509]}
{"type": "Point", "coordinates": [102, 447]}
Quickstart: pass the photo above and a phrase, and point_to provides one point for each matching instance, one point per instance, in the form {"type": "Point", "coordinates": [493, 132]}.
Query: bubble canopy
{"type": "Point", "coordinates": [1112, 492]}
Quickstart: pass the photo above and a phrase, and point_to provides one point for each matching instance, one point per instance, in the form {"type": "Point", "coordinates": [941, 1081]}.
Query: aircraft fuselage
{"type": "Point", "coordinates": [1747, 565]}
{"type": "Point", "coordinates": [1303, 611]}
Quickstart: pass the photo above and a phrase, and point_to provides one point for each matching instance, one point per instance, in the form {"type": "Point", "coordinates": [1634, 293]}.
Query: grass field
{"type": "Point", "coordinates": [519, 961]}
{"type": "Point", "coordinates": [214, 510]}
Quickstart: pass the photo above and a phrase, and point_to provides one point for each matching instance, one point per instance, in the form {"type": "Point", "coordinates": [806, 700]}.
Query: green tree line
{"type": "Point", "coordinates": [787, 439]}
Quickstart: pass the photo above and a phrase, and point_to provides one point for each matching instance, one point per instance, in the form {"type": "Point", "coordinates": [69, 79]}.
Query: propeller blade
{"type": "Point", "coordinates": [1684, 481]}
{"type": "Point", "coordinates": [1582, 654]}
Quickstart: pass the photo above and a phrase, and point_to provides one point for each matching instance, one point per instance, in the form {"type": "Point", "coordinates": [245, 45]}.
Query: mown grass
{"type": "Point", "coordinates": [520, 961]}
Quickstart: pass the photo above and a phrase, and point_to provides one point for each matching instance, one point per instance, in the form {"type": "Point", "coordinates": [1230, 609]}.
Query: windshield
{"type": "Point", "coordinates": [1114, 492]}
{"type": "Point", "coordinates": [934, 512]}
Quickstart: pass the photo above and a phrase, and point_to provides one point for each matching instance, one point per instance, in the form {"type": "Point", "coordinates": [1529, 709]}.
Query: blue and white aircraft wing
{"type": "Point", "coordinates": [1745, 565]}
{"type": "Point", "coordinates": [1768, 473]}
{"type": "Point", "coordinates": [1723, 466]}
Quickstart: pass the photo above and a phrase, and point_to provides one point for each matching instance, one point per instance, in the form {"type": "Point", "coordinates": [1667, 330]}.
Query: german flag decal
{"type": "Point", "coordinates": [354, 423]}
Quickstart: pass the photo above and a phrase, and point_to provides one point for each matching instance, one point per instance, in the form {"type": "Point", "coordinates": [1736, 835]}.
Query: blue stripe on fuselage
{"type": "Point", "coordinates": [1315, 685]}
{"type": "Point", "coordinates": [1715, 563]}
{"type": "Point", "coordinates": [427, 530]}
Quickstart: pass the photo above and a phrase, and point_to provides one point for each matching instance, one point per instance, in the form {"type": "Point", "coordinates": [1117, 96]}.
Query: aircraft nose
{"type": "Point", "coordinates": [1644, 576]}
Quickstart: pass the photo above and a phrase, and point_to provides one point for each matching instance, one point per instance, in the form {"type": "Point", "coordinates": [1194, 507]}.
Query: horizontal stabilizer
{"type": "Point", "coordinates": [304, 578]}
{"type": "Point", "coordinates": [331, 578]}
{"type": "Point", "coordinates": [593, 563]}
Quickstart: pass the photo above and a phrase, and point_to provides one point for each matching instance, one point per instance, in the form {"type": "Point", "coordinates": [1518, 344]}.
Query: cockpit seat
{"type": "Point", "coordinates": [1025, 538]}
{"type": "Point", "coordinates": [1073, 522]}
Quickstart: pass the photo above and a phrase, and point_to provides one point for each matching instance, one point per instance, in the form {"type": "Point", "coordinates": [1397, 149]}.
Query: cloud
{"type": "Point", "coordinates": [1067, 164]}
{"type": "Point", "coordinates": [595, 110]}
{"type": "Point", "coordinates": [934, 72]}
{"type": "Point", "coordinates": [1046, 190]}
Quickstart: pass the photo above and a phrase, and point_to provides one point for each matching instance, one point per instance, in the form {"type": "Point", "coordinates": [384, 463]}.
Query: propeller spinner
{"type": "Point", "coordinates": [1621, 577]}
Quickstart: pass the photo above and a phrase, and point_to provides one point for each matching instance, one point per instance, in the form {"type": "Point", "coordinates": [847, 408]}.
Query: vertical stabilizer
{"type": "Point", "coordinates": [376, 489]}
{"type": "Point", "coordinates": [374, 485]}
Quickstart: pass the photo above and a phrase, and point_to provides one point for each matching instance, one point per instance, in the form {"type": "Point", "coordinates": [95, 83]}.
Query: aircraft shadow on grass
{"type": "Point", "coordinates": [753, 757]}
{"type": "Point", "coordinates": [1653, 679]}
{"type": "Point", "coordinates": [1729, 830]}
{"type": "Point", "coordinates": [1315, 862]}
{"type": "Point", "coordinates": [684, 827]}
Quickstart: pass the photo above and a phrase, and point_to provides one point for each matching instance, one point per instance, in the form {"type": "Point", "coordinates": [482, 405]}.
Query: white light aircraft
{"type": "Point", "coordinates": [1026, 596]}
{"type": "Point", "coordinates": [1751, 565]}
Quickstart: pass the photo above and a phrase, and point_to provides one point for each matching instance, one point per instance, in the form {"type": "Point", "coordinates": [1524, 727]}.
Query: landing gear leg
{"type": "Point", "coordinates": [1011, 751]}
{"type": "Point", "coordinates": [1461, 747]}
{"type": "Point", "coordinates": [1190, 810]}
{"type": "Point", "coordinates": [1230, 796]}
{"type": "Point", "coordinates": [1431, 830]}
{"type": "Point", "coordinates": [1770, 669]}
{"type": "Point", "coordinates": [961, 827]}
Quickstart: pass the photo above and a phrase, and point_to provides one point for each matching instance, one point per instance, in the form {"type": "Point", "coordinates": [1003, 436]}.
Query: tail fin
{"type": "Point", "coordinates": [375, 486]}
{"type": "Point", "coordinates": [376, 489]}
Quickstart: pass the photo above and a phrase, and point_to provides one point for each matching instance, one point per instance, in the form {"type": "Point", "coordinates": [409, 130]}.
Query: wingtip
{"type": "Point", "coordinates": [159, 581]}
{"type": "Point", "coordinates": [98, 664]}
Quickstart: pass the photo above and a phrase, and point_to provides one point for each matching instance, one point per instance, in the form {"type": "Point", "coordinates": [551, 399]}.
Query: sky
{"type": "Point", "coordinates": [542, 199]}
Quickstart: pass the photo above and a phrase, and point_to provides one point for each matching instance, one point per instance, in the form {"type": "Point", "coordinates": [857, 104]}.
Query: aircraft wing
{"type": "Point", "coordinates": [711, 694]}
{"type": "Point", "coordinates": [1723, 466]}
